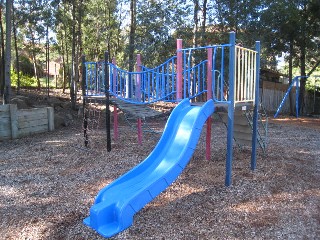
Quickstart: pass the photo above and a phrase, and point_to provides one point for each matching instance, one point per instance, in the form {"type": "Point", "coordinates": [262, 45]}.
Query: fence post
{"type": "Point", "coordinates": [255, 110]}
{"type": "Point", "coordinates": [14, 120]}
{"type": "Point", "coordinates": [179, 70]}
{"type": "Point", "coordinates": [232, 58]}
{"type": "Point", "coordinates": [209, 96]}
{"type": "Point", "coordinates": [50, 115]}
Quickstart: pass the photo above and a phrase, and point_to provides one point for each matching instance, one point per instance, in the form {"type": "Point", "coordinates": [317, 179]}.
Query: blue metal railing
{"type": "Point", "coordinates": [94, 85]}
{"type": "Point", "coordinates": [160, 83]}
{"type": "Point", "coordinates": [195, 74]}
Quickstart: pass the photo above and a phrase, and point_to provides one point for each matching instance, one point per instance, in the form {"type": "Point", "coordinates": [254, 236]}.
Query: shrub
{"type": "Point", "coordinates": [25, 81]}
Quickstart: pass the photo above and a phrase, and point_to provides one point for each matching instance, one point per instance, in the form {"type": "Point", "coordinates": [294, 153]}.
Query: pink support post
{"type": "Point", "coordinates": [114, 77]}
{"type": "Point", "coordinates": [115, 123]}
{"type": "Point", "coordinates": [209, 96]}
{"type": "Point", "coordinates": [138, 96]}
{"type": "Point", "coordinates": [179, 69]}
{"type": "Point", "coordinates": [138, 79]}
{"type": "Point", "coordinates": [115, 109]}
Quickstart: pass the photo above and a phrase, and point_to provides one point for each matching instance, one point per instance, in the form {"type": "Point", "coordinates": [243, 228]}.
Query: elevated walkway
{"type": "Point", "coordinates": [142, 111]}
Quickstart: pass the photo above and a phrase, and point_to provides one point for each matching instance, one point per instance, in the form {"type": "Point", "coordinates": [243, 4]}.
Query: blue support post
{"type": "Point", "coordinates": [294, 80]}
{"type": "Point", "coordinates": [232, 41]}
{"type": "Point", "coordinates": [255, 111]}
{"type": "Point", "coordinates": [297, 97]}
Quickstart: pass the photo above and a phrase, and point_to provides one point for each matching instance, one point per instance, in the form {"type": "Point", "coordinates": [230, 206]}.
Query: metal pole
{"type": "Point", "coordinates": [209, 96]}
{"type": "Point", "coordinates": [115, 110]}
{"type": "Point", "coordinates": [106, 84]}
{"type": "Point", "coordinates": [179, 70]}
{"type": "Point", "coordinates": [138, 96]}
{"type": "Point", "coordinates": [297, 96]}
{"type": "Point", "coordinates": [232, 55]}
{"type": "Point", "coordinates": [255, 110]}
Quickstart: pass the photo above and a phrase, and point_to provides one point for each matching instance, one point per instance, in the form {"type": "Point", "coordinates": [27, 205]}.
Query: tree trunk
{"type": "Point", "coordinates": [133, 13]}
{"type": "Point", "coordinates": [48, 61]}
{"type": "Point", "coordinates": [79, 44]}
{"type": "Point", "coordinates": [291, 54]}
{"type": "Point", "coordinates": [203, 25]}
{"type": "Point", "coordinates": [195, 43]}
{"type": "Point", "coordinates": [196, 22]}
{"type": "Point", "coordinates": [34, 59]}
{"type": "Point", "coordinates": [65, 60]}
{"type": "Point", "coordinates": [202, 97]}
{"type": "Point", "coordinates": [7, 66]}
{"type": "Point", "coordinates": [73, 85]}
{"type": "Point", "coordinates": [2, 54]}
{"type": "Point", "coordinates": [16, 50]}
{"type": "Point", "coordinates": [303, 60]}
{"type": "Point", "coordinates": [302, 80]}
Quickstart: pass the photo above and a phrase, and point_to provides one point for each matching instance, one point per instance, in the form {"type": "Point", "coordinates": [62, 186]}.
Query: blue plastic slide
{"type": "Point", "coordinates": [116, 204]}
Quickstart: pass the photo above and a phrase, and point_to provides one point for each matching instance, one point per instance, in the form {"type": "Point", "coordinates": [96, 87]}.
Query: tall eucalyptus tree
{"type": "Point", "coordinates": [7, 66]}
{"type": "Point", "coordinates": [291, 27]}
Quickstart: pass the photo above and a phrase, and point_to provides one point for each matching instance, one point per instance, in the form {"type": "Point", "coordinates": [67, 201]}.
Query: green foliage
{"type": "Point", "coordinates": [313, 82]}
{"type": "Point", "coordinates": [156, 21]}
{"type": "Point", "coordinates": [25, 80]}
{"type": "Point", "coordinates": [25, 66]}
{"type": "Point", "coordinates": [104, 25]}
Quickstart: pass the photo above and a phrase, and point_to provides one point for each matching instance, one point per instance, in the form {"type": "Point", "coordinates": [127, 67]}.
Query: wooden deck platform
{"type": "Point", "coordinates": [138, 110]}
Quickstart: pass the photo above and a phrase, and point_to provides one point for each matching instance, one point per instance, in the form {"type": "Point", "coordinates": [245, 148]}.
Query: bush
{"type": "Point", "coordinates": [25, 81]}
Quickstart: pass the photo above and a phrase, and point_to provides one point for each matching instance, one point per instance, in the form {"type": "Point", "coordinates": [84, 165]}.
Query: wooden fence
{"type": "Point", "coordinates": [16, 123]}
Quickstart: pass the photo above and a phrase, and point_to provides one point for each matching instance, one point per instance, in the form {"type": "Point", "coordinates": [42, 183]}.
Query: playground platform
{"type": "Point", "coordinates": [230, 90]}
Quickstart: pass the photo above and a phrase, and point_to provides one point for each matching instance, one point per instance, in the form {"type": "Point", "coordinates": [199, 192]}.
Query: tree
{"type": "Point", "coordinates": [2, 62]}
{"type": "Point", "coordinates": [16, 48]}
{"type": "Point", "coordinates": [158, 24]}
{"type": "Point", "coordinates": [7, 66]}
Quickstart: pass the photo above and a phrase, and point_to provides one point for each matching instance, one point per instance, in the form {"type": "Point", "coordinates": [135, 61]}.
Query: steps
{"type": "Point", "coordinates": [242, 129]}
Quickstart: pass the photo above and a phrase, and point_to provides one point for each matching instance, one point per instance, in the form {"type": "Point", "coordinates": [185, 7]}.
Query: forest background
{"type": "Point", "coordinates": [35, 32]}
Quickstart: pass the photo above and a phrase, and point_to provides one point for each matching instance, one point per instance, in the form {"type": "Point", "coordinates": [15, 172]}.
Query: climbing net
{"type": "Point", "coordinates": [92, 118]}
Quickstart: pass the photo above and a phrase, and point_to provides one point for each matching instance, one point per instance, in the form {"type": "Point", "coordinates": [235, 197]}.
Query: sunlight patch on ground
{"type": "Point", "coordinates": [175, 192]}
{"type": "Point", "coordinates": [297, 201]}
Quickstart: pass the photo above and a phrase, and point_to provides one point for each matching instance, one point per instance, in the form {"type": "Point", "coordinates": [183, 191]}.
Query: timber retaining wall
{"type": "Point", "coordinates": [16, 123]}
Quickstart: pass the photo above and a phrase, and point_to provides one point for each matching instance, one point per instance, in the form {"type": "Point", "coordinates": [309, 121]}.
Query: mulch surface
{"type": "Point", "coordinates": [49, 181]}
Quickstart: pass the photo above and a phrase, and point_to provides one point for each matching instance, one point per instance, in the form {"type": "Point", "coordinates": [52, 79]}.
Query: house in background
{"type": "Point", "coordinates": [54, 70]}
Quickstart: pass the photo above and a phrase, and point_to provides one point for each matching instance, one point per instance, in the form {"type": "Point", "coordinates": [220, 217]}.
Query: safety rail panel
{"type": "Point", "coordinates": [159, 83]}
{"type": "Point", "coordinates": [95, 79]}
{"type": "Point", "coordinates": [195, 73]}
{"type": "Point", "coordinates": [245, 74]}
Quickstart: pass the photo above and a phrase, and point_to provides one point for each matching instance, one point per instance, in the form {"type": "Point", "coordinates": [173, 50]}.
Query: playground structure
{"type": "Point", "coordinates": [295, 82]}
{"type": "Point", "coordinates": [227, 81]}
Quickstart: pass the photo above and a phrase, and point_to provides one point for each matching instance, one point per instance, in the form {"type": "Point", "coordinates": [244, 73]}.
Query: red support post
{"type": "Point", "coordinates": [179, 69]}
{"type": "Point", "coordinates": [138, 96]}
{"type": "Point", "coordinates": [138, 79]}
{"type": "Point", "coordinates": [209, 96]}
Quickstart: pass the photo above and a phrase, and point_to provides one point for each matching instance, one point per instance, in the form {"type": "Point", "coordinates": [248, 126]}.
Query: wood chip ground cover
{"type": "Point", "coordinates": [49, 181]}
